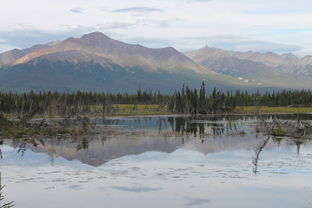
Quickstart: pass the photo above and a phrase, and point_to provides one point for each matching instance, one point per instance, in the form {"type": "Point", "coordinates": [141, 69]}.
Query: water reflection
{"type": "Point", "coordinates": [258, 149]}
{"type": "Point", "coordinates": [4, 204]}
{"type": "Point", "coordinates": [161, 161]}
{"type": "Point", "coordinates": [199, 125]}
{"type": "Point", "coordinates": [165, 134]}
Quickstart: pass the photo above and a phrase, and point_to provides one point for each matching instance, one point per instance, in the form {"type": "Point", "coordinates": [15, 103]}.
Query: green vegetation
{"type": "Point", "coordinates": [73, 110]}
{"type": "Point", "coordinates": [242, 133]}
{"type": "Point", "coordinates": [188, 101]}
{"type": "Point", "coordinates": [67, 127]}
{"type": "Point", "coordinates": [278, 132]}
{"type": "Point", "coordinates": [26, 106]}
{"type": "Point", "coordinates": [136, 110]}
{"type": "Point", "coordinates": [273, 109]}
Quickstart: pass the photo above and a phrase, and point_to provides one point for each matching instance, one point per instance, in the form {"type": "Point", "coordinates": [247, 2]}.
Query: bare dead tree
{"type": "Point", "coordinates": [258, 149]}
{"type": "Point", "coordinates": [269, 127]}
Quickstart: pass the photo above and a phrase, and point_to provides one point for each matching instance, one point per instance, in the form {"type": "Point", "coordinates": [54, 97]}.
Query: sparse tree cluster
{"type": "Point", "coordinates": [26, 105]}
{"type": "Point", "coordinates": [192, 101]}
{"type": "Point", "coordinates": [279, 98]}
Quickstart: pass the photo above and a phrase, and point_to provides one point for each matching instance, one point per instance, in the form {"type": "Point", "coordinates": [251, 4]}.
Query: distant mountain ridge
{"type": "Point", "coordinates": [285, 63]}
{"type": "Point", "coordinates": [95, 62]}
{"type": "Point", "coordinates": [96, 46]}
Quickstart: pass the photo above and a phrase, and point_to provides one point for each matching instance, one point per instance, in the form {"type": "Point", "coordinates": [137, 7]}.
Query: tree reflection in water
{"type": "Point", "coordinates": [258, 149]}
{"type": "Point", "coordinates": [179, 130]}
{"type": "Point", "coordinates": [200, 128]}
{"type": "Point", "coordinates": [1, 143]}
{"type": "Point", "coordinates": [3, 204]}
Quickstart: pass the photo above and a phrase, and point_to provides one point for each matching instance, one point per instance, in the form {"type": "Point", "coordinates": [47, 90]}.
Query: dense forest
{"type": "Point", "coordinates": [186, 100]}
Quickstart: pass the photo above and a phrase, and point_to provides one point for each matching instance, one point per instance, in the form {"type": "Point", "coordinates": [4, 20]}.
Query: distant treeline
{"type": "Point", "coordinates": [186, 100]}
{"type": "Point", "coordinates": [193, 101]}
{"type": "Point", "coordinates": [68, 104]}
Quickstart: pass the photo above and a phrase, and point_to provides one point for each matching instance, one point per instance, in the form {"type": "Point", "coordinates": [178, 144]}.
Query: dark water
{"type": "Point", "coordinates": [162, 162]}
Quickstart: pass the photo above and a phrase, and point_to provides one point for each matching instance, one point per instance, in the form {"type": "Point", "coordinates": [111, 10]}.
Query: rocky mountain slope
{"type": "Point", "coordinates": [254, 67]}
{"type": "Point", "coordinates": [241, 62]}
{"type": "Point", "coordinates": [95, 62]}
{"type": "Point", "coordinates": [101, 49]}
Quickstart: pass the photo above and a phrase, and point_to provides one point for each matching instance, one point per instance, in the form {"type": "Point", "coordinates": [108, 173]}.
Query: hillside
{"type": "Point", "coordinates": [95, 62]}
{"type": "Point", "coordinates": [262, 69]}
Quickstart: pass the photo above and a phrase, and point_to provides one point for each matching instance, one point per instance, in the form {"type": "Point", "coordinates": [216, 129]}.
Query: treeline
{"type": "Point", "coordinates": [279, 98]}
{"type": "Point", "coordinates": [186, 100]}
{"type": "Point", "coordinates": [67, 104]}
{"type": "Point", "coordinates": [192, 101]}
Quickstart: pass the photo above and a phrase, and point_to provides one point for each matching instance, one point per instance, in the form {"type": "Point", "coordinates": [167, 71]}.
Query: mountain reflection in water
{"type": "Point", "coordinates": [154, 162]}
{"type": "Point", "coordinates": [135, 136]}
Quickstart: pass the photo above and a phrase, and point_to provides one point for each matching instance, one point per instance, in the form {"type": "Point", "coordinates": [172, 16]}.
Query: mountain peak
{"type": "Point", "coordinates": [95, 35]}
{"type": "Point", "coordinates": [101, 49]}
{"type": "Point", "coordinates": [289, 56]}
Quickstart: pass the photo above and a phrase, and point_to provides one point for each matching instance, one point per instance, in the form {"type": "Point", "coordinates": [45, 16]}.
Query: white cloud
{"type": "Point", "coordinates": [5, 47]}
{"type": "Point", "coordinates": [138, 10]}
{"type": "Point", "coordinates": [77, 10]}
{"type": "Point", "coordinates": [278, 24]}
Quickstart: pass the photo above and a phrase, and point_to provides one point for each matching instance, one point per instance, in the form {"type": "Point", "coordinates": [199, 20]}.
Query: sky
{"type": "Point", "coordinates": [279, 26]}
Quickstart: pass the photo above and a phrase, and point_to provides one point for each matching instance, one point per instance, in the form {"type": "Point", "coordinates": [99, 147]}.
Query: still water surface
{"type": "Point", "coordinates": [161, 162]}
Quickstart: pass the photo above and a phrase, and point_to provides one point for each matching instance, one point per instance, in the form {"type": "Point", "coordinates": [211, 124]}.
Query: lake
{"type": "Point", "coordinates": [166, 161]}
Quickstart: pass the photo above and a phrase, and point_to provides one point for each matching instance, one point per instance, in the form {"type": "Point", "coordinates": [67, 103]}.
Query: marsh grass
{"type": "Point", "coordinates": [116, 110]}
{"type": "Point", "coordinates": [134, 110]}
{"type": "Point", "coordinates": [268, 109]}
{"type": "Point", "coordinates": [278, 132]}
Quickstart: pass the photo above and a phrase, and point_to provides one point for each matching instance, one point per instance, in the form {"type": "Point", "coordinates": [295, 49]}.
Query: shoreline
{"type": "Point", "coordinates": [84, 125]}
{"type": "Point", "coordinates": [92, 116]}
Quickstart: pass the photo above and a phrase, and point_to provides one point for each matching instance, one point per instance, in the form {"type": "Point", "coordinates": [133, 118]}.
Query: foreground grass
{"type": "Point", "coordinates": [267, 109]}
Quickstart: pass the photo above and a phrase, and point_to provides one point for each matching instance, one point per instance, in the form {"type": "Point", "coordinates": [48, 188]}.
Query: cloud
{"type": "Point", "coordinates": [201, 0]}
{"type": "Point", "coordinates": [24, 38]}
{"type": "Point", "coordinates": [5, 47]}
{"type": "Point", "coordinates": [115, 25]}
{"type": "Point", "coordinates": [237, 43]}
{"type": "Point", "coordinates": [245, 44]}
{"type": "Point", "coordinates": [148, 42]}
{"type": "Point", "coordinates": [16, 39]}
{"type": "Point", "coordinates": [135, 189]}
{"type": "Point", "coordinates": [138, 10]}
{"type": "Point", "coordinates": [77, 10]}
{"type": "Point", "coordinates": [231, 25]}
{"type": "Point", "coordinates": [3, 41]}
{"type": "Point", "coordinates": [197, 202]}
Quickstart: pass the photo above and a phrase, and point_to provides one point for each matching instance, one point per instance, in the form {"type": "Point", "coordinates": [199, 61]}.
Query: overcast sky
{"type": "Point", "coordinates": [261, 25]}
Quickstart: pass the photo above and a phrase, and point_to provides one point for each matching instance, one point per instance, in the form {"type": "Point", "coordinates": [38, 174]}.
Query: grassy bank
{"type": "Point", "coordinates": [154, 110]}
{"type": "Point", "coordinates": [267, 109]}
{"type": "Point", "coordinates": [132, 110]}
{"type": "Point", "coordinates": [115, 110]}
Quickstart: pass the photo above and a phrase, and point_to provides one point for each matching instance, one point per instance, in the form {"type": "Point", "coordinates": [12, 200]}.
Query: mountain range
{"type": "Point", "coordinates": [95, 62]}
{"type": "Point", "coordinates": [264, 69]}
